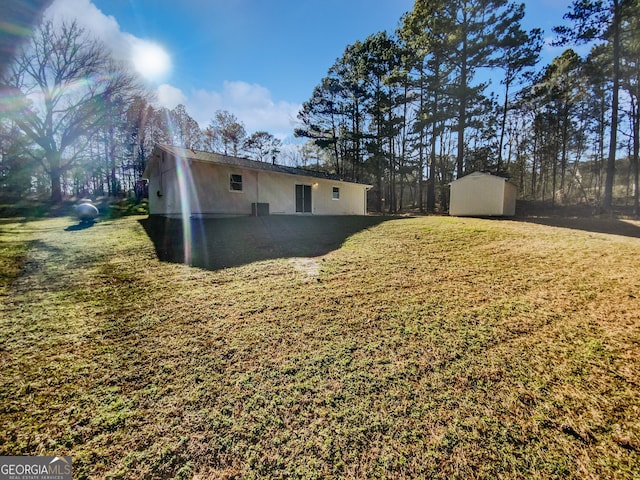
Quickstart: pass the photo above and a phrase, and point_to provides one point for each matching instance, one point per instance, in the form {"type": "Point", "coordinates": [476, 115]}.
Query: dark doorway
{"type": "Point", "coordinates": [303, 198]}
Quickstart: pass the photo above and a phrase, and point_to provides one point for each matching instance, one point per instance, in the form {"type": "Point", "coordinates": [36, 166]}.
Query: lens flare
{"type": "Point", "coordinates": [183, 173]}
{"type": "Point", "coordinates": [188, 198]}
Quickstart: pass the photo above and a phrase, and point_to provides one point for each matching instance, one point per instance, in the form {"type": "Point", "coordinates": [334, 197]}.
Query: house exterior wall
{"type": "Point", "coordinates": [481, 194]}
{"type": "Point", "coordinates": [164, 196]}
{"type": "Point", "coordinates": [210, 193]}
{"type": "Point", "coordinates": [279, 191]}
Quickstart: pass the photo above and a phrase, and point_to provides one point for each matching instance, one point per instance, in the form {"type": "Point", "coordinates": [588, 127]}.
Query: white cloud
{"type": "Point", "coordinates": [252, 104]}
{"type": "Point", "coordinates": [169, 96]}
{"type": "Point", "coordinates": [102, 27]}
{"type": "Point", "coordinates": [124, 46]}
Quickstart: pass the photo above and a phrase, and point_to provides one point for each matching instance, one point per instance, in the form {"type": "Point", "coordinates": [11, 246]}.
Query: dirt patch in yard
{"type": "Point", "coordinates": [309, 267]}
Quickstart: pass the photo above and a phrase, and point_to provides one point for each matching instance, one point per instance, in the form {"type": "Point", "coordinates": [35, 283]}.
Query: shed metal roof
{"type": "Point", "coordinates": [477, 175]}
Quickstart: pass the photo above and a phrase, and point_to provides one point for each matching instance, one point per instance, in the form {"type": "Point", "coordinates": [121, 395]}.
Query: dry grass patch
{"type": "Point", "coordinates": [429, 347]}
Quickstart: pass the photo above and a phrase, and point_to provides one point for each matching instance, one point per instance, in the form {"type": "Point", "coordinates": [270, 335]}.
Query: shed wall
{"type": "Point", "coordinates": [481, 194]}
{"type": "Point", "coordinates": [510, 194]}
{"type": "Point", "coordinates": [476, 196]}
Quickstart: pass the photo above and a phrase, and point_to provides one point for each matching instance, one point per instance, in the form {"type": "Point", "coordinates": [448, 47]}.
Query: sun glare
{"type": "Point", "coordinates": [151, 60]}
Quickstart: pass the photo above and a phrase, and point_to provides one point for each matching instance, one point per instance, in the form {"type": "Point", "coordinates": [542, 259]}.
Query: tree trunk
{"type": "Point", "coordinates": [421, 172]}
{"type": "Point", "coordinates": [379, 170]}
{"type": "Point", "coordinates": [421, 149]}
{"type": "Point", "coordinates": [462, 113]}
{"type": "Point", "coordinates": [431, 185]}
{"type": "Point", "coordinates": [534, 156]}
{"type": "Point", "coordinates": [635, 160]}
{"type": "Point", "coordinates": [607, 201]}
{"type": "Point", "coordinates": [599, 160]}
{"type": "Point", "coordinates": [462, 108]}
{"type": "Point", "coordinates": [503, 123]}
{"type": "Point", "coordinates": [56, 185]}
{"type": "Point", "coordinates": [565, 146]}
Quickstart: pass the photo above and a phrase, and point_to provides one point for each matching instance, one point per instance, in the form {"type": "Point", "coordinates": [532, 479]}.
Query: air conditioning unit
{"type": "Point", "coordinates": [259, 209]}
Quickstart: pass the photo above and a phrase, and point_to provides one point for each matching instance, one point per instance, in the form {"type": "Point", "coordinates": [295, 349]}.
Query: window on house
{"type": "Point", "coordinates": [235, 182]}
{"type": "Point", "coordinates": [336, 193]}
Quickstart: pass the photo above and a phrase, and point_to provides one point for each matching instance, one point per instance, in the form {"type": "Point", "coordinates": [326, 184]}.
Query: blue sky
{"type": "Point", "coordinates": [258, 59]}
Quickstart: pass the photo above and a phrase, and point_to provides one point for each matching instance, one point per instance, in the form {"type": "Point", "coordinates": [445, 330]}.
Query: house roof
{"type": "Point", "coordinates": [210, 157]}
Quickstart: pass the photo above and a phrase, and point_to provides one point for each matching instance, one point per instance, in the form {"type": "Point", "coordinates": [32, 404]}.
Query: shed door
{"type": "Point", "coordinates": [303, 198]}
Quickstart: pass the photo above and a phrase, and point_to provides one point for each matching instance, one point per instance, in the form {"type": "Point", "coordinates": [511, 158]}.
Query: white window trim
{"type": "Point", "coordinates": [241, 183]}
{"type": "Point", "coordinates": [332, 192]}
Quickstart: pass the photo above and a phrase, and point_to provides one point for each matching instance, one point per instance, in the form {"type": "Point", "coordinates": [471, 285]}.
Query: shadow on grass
{"type": "Point", "coordinates": [579, 217]}
{"type": "Point", "coordinates": [613, 226]}
{"type": "Point", "coordinates": [218, 243]}
{"type": "Point", "coordinates": [83, 225]}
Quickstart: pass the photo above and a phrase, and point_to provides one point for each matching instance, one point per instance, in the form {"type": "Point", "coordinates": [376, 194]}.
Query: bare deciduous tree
{"type": "Point", "coordinates": [225, 134]}
{"type": "Point", "coordinates": [263, 146]}
{"type": "Point", "coordinates": [59, 93]}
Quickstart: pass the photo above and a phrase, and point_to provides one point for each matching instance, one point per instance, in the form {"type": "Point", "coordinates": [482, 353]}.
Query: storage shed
{"type": "Point", "coordinates": [185, 182]}
{"type": "Point", "coordinates": [482, 195]}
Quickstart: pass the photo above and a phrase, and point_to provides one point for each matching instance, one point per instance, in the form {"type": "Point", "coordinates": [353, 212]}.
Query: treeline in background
{"type": "Point", "coordinates": [457, 88]}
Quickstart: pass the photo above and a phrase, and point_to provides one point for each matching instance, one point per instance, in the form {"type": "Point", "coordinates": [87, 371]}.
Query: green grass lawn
{"type": "Point", "coordinates": [429, 347]}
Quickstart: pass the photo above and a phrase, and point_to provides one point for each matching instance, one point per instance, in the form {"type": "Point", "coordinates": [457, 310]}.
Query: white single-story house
{"type": "Point", "coordinates": [185, 182]}
{"type": "Point", "coordinates": [483, 195]}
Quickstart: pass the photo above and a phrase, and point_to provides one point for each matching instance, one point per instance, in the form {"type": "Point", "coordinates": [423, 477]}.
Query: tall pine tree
{"type": "Point", "coordinates": [600, 20]}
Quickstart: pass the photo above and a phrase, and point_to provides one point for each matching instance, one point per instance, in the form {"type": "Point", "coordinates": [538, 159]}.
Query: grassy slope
{"type": "Point", "coordinates": [429, 347]}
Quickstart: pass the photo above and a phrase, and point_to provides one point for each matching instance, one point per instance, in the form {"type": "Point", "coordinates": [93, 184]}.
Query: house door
{"type": "Point", "coordinates": [303, 198]}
